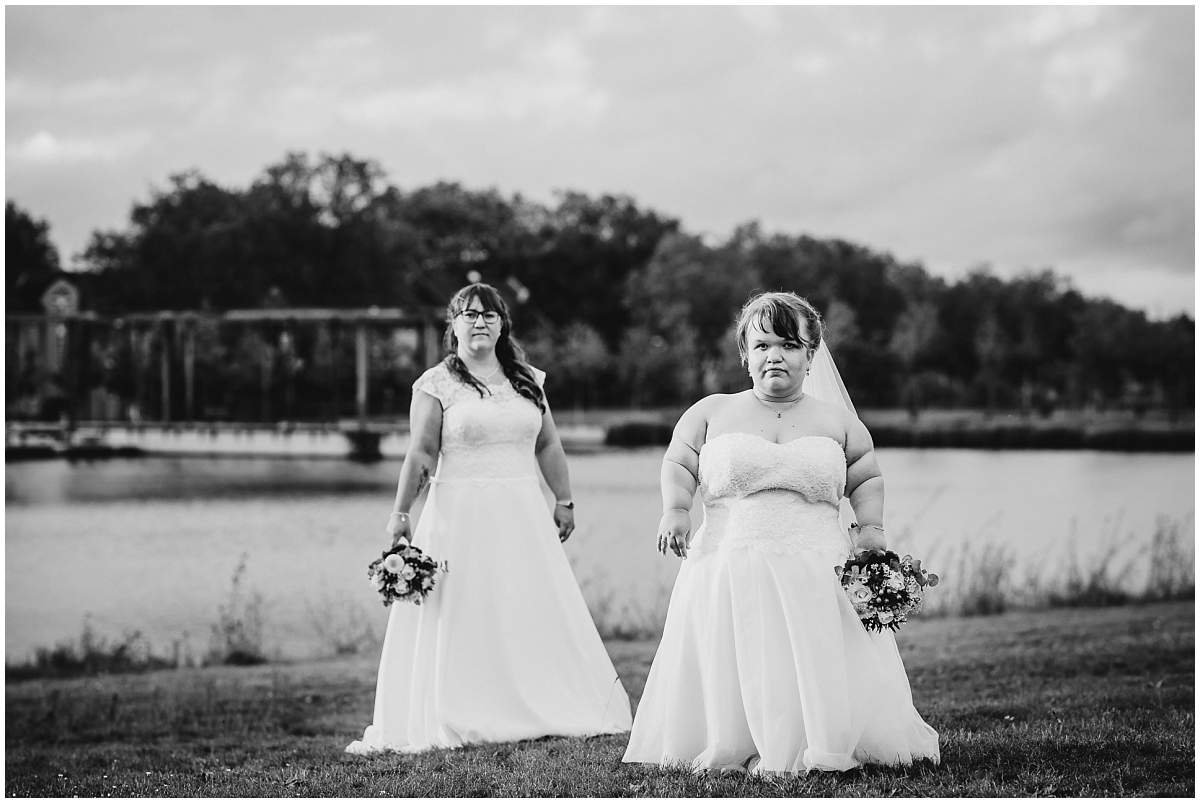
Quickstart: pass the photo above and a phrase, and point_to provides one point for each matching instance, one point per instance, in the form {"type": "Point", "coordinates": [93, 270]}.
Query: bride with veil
{"type": "Point", "coordinates": [764, 665]}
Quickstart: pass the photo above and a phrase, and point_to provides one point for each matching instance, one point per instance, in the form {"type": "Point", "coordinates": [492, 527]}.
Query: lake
{"type": "Point", "coordinates": [151, 544]}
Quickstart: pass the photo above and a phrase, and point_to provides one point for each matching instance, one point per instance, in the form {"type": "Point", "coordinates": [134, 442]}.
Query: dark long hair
{"type": "Point", "coordinates": [508, 351]}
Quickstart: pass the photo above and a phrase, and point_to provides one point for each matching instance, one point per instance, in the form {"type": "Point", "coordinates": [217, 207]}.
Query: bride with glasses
{"type": "Point", "coordinates": [504, 647]}
{"type": "Point", "coordinates": [764, 665]}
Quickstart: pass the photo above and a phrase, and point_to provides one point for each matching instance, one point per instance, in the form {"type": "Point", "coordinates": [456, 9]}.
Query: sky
{"type": "Point", "coordinates": [1022, 138]}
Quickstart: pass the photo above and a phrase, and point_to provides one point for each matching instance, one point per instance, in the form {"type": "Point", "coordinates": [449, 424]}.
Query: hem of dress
{"type": "Point", "coordinates": [364, 747]}
{"type": "Point", "coordinates": [813, 761]}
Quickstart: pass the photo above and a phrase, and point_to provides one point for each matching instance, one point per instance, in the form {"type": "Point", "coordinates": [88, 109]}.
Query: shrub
{"type": "Point", "coordinates": [638, 433]}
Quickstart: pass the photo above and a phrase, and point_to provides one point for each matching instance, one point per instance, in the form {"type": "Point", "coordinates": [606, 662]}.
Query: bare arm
{"type": "Point", "coordinates": [680, 477]}
{"type": "Point", "coordinates": [864, 485]}
{"type": "Point", "coordinates": [425, 429]}
{"type": "Point", "coordinates": [552, 460]}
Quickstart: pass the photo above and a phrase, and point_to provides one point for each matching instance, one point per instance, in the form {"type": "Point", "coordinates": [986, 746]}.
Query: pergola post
{"type": "Point", "coordinates": [189, 372]}
{"type": "Point", "coordinates": [164, 366]}
{"type": "Point", "coordinates": [432, 343]}
{"type": "Point", "coordinates": [360, 368]}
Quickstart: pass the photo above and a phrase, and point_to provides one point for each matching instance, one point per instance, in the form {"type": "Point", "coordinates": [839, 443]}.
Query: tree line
{"type": "Point", "coordinates": [619, 302]}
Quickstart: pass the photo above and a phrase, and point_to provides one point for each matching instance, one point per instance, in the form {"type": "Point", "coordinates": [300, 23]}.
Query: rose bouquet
{"type": "Point", "coordinates": [404, 573]}
{"type": "Point", "coordinates": [883, 587]}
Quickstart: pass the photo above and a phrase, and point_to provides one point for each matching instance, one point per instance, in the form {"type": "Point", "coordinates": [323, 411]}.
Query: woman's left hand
{"type": "Point", "coordinates": [564, 519]}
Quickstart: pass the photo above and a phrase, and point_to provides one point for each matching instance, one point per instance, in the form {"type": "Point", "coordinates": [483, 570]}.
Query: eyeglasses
{"type": "Point", "coordinates": [489, 317]}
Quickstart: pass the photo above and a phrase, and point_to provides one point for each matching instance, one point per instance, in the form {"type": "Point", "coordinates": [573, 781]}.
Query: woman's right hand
{"type": "Point", "coordinates": [867, 538]}
{"type": "Point", "coordinates": [399, 527]}
{"type": "Point", "coordinates": [673, 530]}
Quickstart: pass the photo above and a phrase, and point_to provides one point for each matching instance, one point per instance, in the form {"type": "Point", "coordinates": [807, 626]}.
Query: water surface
{"type": "Point", "coordinates": [151, 543]}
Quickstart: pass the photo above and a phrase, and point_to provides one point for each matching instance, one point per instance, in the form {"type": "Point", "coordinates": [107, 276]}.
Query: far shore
{"type": "Point", "coordinates": [589, 430]}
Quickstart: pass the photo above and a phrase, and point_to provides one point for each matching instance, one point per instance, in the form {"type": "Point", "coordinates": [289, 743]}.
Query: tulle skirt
{"type": "Point", "coordinates": [764, 666]}
{"type": "Point", "coordinates": [504, 647]}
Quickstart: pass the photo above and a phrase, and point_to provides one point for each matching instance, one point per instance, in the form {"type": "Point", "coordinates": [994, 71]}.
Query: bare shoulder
{"type": "Point", "coordinates": [707, 407]}
{"type": "Point", "coordinates": [693, 424]}
{"type": "Point", "coordinates": [858, 438]}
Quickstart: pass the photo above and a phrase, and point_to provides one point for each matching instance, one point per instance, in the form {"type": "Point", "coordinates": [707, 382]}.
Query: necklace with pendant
{"type": "Point", "coordinates": [778, 412]}
{"type": "Point", "coordinates": [486, 379]}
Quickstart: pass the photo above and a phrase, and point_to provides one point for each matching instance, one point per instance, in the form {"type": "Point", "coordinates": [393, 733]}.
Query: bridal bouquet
{"type": "Point", "coordinates": [404, 573]}
{"type": "Point", "coordinates": [883, 587]}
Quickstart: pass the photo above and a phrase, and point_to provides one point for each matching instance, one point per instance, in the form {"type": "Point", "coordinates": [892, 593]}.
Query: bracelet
{"type": "Point", "coordinates": [867, 527]}
{"type": "Point", "coordinates": [569, 504]}
{"type": "Point", "coordinates": [399, 515]}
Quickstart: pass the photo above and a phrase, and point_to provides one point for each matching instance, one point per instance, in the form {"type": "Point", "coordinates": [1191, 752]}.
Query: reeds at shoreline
{"type": "Point", "coordinates": [980, 577]}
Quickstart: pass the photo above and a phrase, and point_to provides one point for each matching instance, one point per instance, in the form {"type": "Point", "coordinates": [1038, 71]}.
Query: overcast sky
{"type": "Point", "coordinates": [1021, 137]}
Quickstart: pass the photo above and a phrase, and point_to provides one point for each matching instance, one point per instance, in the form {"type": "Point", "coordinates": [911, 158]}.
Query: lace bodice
{"type": "Point", "coordinates": [486, 438]}
{"type": "Point", "coordinates": [772, 497]}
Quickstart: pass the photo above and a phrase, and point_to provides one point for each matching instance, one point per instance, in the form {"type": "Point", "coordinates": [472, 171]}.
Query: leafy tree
{"type": "Point", "coordinates": [587, 248]}
{"type": "Point", "coordinates": [589, 278]}
{"type": "Point", "coordinates": [1110, 349]}
{"type": "Point", "coordinates": [185, 249]}
{"type": "Point", "coordinates": [30, 259]}
{"type": "Point", "coordinates": [914, 331]}
{"type": "Point", "coordinates": [304, 229]}
{"type": "Point", "coordinates": [658, 371]}
{"type": "Point", "coordinates": [687, 284]}
{"type": "Point", "coordinates": [1170, 348]}
{"type": "Point", "coordinates": [584, 361]}
{"type": "Point", "coordinates": [841, 323]}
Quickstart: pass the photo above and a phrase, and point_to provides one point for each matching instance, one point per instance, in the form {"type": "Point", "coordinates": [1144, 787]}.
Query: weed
{"type": "Point", "coordinates": [237, 636]}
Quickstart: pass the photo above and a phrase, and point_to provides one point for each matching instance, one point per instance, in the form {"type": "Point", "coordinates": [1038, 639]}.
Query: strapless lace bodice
{"type": "Point", "coordinates": [772, 497]}
{"type": "Point", "coordinates": [486, 438]}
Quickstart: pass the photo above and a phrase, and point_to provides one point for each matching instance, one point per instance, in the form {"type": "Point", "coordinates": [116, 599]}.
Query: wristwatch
{"type": "Point", "coordinates": [569, 504]}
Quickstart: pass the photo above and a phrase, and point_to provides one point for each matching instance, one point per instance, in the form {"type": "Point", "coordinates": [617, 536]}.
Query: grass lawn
{"type": "Point", "coordinates": [1069, 702]}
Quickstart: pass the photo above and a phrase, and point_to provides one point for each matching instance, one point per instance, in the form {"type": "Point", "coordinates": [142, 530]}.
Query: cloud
{"type": "Point", "coordinates": [761, 19]}
{"type": "Point", "coordinates": [1086, 75]}
{"type": "Point", "coordinates": [1024, 136]}
{"type": "Point", "coordinates": [813, 63]}
{"type": "Point", "coordinates": [45, 148]}
{"type": "Point", "coordinates": [549, 84]}
{"type": "Point", "coordinates": [1048, 24]}
{"type": "Point", "coordinates": [24, 92]}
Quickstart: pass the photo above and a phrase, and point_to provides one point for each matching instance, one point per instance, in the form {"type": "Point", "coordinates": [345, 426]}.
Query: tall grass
{"type": "Point", "coordinates": [238, 634]}
{"type": "Point", "coordinates": [1172, 569]}
{"type": "Point", "coordinates": [984, 576]}
{"type": "Point", "coordinates": [622, 616]}
{"type": "Point", "coordinates": [980, 576]}
{"type": "Point", "coordinates": [237, 638]}
{"type": "Point", "coordinates": [91, 654]}
{"type": "Point", "coordinates": [341, 625]}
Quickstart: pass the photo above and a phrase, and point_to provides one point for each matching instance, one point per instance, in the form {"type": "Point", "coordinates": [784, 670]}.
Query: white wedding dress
{"type": "Point", "coordinates": [763, 664]}
{"type": "Point", "coordinates": [504, 647]}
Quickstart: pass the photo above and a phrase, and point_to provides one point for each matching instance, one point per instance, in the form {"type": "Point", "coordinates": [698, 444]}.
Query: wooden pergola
{"type": "Point", "coordinates": [51, 332]}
